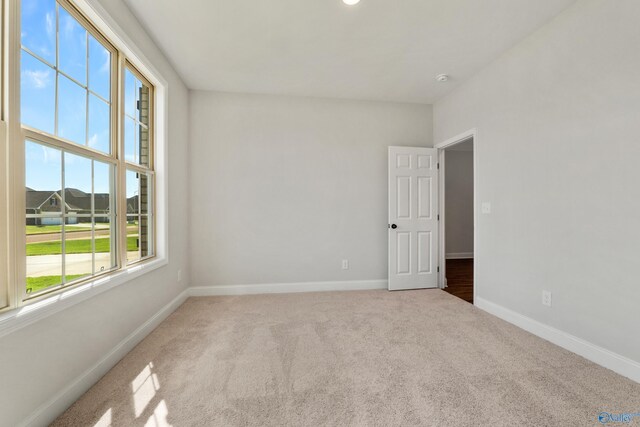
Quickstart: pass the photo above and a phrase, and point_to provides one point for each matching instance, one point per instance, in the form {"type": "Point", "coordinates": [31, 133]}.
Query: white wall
{"type": "Point", "coordinates": [558, 118]}
{"type": "Point", "coordinates": [286, 187]}
{"type": "Point", "coordinates": [458, 202]}
{"type": "Point", "coordinates": [40, 360]}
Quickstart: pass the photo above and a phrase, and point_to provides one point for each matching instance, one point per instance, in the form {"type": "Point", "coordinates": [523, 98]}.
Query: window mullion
{"type": "Point", "coordinates": [121, 189]}
{"type": "Point", "coordinates": [93, 218]}
{"type": "Point", "coordinates": [4, 248]}
{"type": "Point", "coordinates": [63, 211]}
{"type": "Point", "coordinates": [86, 104]}
{"type": "Point", "coordinates": [14, 160]}
{"type": "Point", "coordinates": [57, 72]}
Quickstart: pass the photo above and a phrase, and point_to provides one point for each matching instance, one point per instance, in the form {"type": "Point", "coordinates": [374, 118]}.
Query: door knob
{"type": "Point", "coordinates": [394, 226]}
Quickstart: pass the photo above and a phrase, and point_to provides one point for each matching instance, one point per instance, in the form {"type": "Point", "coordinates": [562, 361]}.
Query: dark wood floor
{"type": "Point", "coordinates": [460, 278]}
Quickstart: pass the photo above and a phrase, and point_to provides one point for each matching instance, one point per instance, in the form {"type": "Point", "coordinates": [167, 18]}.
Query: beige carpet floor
{"type": "Point", "coordinates": [365, 358]}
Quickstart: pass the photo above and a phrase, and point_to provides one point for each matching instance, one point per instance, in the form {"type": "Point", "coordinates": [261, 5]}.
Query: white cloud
{"type": "Point", "coordinates": [97, 138]}
{"type": "Point", "coordinates": [38, 79]}
{"type": "Point", "coordinates": [93, 140]}
{"type": "Point", "coordinates": [71, 30]}
{"type": "Point", "coordinates": [107, 62]}
{"type": "Point", "coordinates": [67, 26]}
{"type": "Point", "coordinates": [50, 24]}
{"type": "Point", "coordinates": [50, 155]}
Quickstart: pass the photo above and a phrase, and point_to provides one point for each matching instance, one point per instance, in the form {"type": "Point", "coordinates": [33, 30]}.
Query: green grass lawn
{"type": "Point", "coordinates": [35, 284]}
{"type": "Point", "coordinates": [76, 247]}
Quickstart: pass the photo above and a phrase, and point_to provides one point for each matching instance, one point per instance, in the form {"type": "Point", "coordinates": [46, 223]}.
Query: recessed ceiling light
{"type": "Point", "coordinates": [442, 78]}
{"type": "Point", "coordinates": [350, 2]}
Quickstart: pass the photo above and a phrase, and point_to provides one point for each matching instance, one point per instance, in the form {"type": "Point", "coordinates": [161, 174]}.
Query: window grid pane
{"type": "Point", "coordinates": [38, 28]}
{"type": "Point", "coordinates": [99, 69]}
{"type": "Point", "coordinates": [58, 88]}
{"type": "Point", "coordinates": [72, 47]}
{"type": "Point", "coordinates": [72, 111]}
{"type": "Point", "coordinates": [71, 227]}
{"type": "Point", "coordinates": [137, 118]}
{"type": "Point", "coordinates": [139, 216]}
{"type": "Point", "coordinates": [38, 93]}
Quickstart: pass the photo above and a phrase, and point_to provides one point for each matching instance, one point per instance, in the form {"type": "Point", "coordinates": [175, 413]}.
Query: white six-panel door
{"type": "Point", "coordinates": [413, 218]}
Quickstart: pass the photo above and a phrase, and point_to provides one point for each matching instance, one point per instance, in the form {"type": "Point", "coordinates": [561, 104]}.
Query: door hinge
{"type": "Point", "coordinates": [438, 217]}
{"type": "Point", "coordinates": [438, 165]}
{"type": "Point", "coordinates": [438, 269]}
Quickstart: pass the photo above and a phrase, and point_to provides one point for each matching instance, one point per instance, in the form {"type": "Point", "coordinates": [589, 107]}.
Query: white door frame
{"type": "Point", "coordinates": [471, 133]}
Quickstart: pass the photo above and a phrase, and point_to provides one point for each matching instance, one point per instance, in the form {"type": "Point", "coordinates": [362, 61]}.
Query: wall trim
{"type": "Point", "coordinates": [598, 355]}
{"type": "Point", "coordinates": [459, 255]}
{"type": "Point", "coordinates": [277, 288]}
{"type": "Point", "coordinates": [51, 409]}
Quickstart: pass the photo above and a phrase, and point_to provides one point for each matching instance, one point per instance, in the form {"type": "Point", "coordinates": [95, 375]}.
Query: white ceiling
{"type": "Point", "coordinates": [377, 50]}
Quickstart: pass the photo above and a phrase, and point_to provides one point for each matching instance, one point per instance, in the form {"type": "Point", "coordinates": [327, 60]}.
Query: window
{"type": "Point", "coordinates": [66, 75]}
{"type": "Point", "coordinates": [139, 175]}
{"type": "Point", "coordinates": [86, 121]}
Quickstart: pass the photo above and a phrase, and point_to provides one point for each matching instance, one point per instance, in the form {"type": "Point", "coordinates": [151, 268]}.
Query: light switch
{"type": "Point", "coordinates": [486, 207]}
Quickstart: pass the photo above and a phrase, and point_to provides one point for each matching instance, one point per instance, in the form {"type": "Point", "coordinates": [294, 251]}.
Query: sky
{"type": "Point", "coordinates": [83, 105]}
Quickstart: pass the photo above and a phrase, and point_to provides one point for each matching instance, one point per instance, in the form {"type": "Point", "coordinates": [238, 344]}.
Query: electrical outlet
{"type": "Point", "coordinates": [179, 276]}
{"type": "Point", "coordinates": [546, 298]}
{"type": "Point", "coordinates": [345, 264]}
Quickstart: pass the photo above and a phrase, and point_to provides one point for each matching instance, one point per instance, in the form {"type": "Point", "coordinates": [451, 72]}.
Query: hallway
{"type": "Point", "coordinates": [460, 278]}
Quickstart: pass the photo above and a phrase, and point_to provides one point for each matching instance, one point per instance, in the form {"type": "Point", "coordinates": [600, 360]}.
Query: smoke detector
{"type": "Point", "coordinates": [442, 78]}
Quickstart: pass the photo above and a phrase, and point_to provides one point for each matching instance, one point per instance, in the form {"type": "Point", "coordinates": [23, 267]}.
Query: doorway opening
{"type": "Point", "coordinates": [457, 159]}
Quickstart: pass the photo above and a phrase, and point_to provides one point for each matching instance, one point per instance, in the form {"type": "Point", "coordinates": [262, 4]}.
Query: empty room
{"type": "Point", "coordinates": [319, 213]}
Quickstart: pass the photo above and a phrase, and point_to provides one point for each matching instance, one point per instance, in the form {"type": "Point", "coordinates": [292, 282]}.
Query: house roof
{"type": "Point", "coordinates": [76, 200]}
{"type": "Point", "coordinates": [79, 200]}
{"type": "Point", "coordinates": [35, 199]}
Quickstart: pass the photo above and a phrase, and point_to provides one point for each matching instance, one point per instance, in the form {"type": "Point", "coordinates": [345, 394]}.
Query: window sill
{"type": "Point", "coordinates": [17, 318]}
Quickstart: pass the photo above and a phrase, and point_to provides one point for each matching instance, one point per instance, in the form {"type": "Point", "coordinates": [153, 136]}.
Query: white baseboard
{"type": "Point", "coordinates": [48, 411]}
{"type": "Point", "coordinates": [459, 255]}
{"type": "Point", "coordinates": [277, 288]}
{"type": "Point", "coordinates": [601, 356]}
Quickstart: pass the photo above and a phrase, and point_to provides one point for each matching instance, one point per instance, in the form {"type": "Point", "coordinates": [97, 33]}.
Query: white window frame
{"type": "Point", "coordinates": [136, 167]}
{"type": "Point", "coordinates": [4, 210]}
{"type": "Point", "coordinates": [20, 312]}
